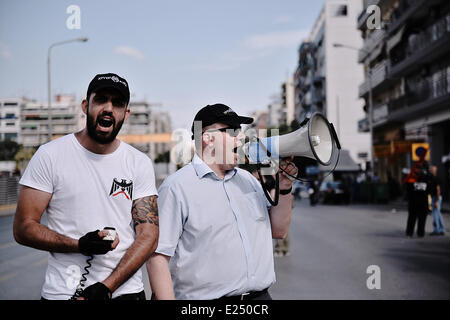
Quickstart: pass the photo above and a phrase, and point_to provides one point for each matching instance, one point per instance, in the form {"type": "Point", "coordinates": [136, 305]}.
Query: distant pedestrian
{"type": "Point", "coordinates": [436, 200]}
{"type": "Point", "coordinates": [313, 190]}
{"type": "Point", "coordinates": [418, 189]}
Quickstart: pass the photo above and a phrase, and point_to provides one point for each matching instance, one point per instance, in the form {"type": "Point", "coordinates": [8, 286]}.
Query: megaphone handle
{"type": "Point", "coordinates": [333, 132]}
{"type": "Point", "coordinates": [267, 192]}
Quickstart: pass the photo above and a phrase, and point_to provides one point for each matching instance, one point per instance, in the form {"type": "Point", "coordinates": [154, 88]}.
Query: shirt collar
{"type": "Point", "coordinates": [202, 169]}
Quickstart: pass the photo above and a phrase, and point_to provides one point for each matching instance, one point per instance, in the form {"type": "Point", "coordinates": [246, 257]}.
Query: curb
{"type": "Point", "coordinates": [7, 209]}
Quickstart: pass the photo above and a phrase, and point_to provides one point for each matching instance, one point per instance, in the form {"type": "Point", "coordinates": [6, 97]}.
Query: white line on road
{"type": "Point", "coordinates": [40, 262]}
{"type": "Point", "coordinates": [8, 276]}
{"type": "Point", "coordinates": [8, 245]}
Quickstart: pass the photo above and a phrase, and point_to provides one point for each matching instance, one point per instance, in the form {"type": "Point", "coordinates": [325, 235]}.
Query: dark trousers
{"type": "Point", "coordinates": [419, 214]}
{"type": "Point", "coordinates": [263, 296]}
{"type": "Point", "coordinates": [129, 296]}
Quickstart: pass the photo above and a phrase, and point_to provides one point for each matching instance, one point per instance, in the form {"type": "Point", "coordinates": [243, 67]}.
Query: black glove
{"type": "Point", "coordinates": [91, 243]}
{"type": "Point", "coordinates": [97, 291]}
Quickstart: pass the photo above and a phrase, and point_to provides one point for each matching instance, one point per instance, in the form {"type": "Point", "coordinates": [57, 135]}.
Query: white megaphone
{"type": "Point", "coordinates": [316, 140]}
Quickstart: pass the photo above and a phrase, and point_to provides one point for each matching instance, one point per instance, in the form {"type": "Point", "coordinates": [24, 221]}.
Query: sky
{"type": "Point", "coordinates": [180, 54]}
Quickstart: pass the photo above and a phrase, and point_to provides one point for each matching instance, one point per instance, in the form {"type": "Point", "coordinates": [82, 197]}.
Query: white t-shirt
{"type": "Point", "coordinates": [89, 191]}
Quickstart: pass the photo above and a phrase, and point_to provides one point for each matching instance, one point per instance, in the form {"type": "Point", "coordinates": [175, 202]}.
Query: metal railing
{"type": "Point", "coordinates": [9, 190]}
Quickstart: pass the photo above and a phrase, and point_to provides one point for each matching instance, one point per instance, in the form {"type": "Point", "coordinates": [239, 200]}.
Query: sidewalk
{"type": "Point", "coordinates": [7, 209]}
{"type": "Point", "coordinates": [399, 206]}
{"type": "Point", "coordinates": [403, 205]}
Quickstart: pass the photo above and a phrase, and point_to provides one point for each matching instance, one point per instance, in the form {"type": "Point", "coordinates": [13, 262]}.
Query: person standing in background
{"type": "Point", "coordinates": [436, 200]}
{"type": "Point", "coordinates": [418, 190]}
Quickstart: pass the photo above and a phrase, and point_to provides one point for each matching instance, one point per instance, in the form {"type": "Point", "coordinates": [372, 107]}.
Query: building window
{"type": "Point", "coordinates": [338, 10]}
{"type": "Point", "coordinates": [11, 136]}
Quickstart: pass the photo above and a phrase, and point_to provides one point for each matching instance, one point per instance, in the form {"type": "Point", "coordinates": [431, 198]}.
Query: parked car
{"type": "Point", "coordinates": [334, 192]}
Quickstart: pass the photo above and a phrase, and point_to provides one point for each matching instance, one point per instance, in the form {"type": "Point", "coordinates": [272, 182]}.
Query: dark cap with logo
{"type": "Point", "coordinates": [109, 80]}
{"type": "Point", "coordinates": [219, 113]}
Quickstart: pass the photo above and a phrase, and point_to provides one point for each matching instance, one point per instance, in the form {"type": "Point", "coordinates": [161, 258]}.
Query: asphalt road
{"type": "Point", "coordinates": [331, 249]}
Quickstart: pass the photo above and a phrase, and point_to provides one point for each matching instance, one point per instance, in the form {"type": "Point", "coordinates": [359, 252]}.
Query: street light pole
{"type": "Point", "coordinates": [49, 96]}
{"type": "Point", "coordinates": [370, 109]}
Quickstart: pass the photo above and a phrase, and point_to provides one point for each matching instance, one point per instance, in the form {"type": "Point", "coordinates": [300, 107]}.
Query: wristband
{"type": "Point", "coordinates": [287, 191]}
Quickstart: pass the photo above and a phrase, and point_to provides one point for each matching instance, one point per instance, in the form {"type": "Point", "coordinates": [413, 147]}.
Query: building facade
{"type": "Point", "coordinates": [147, 130]}
{"type": "Point", "coordinates": [407, 60]}
{"type": "Point", "coordinates": [327, 77]}
{"type": "Point", "coordinates": [288, 101]}
{"type": "Point", "coordinates": [10, 118]}
{"type": "Point", "coordinates": [66, 117]}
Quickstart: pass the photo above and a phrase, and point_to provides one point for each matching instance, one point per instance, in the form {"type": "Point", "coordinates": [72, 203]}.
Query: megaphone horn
{"type": "Point", "coordinates": [313, 140]}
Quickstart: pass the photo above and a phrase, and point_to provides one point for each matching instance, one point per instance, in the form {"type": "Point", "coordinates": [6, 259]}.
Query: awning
{"type": "Point", "coordinates": [376, 52]}
{"type": "Point", "coordinates": [346, 163]}
{"type": "Point", "coordinates": [395, 39]}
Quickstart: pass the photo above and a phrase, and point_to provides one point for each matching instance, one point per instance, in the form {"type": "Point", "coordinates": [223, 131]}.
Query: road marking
{"type": "Point", "coordinates": [8, 245]}
{"type": "Point", "coordinates": [40, 262]}
{"type": "Point", "coordinates": [8, 276]}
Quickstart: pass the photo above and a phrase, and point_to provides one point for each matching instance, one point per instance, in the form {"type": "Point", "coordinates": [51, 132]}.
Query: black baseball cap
{"type": "Point", "coordinates": [109, 80]}
{"type": "Point", "coordinates": [219, 113]}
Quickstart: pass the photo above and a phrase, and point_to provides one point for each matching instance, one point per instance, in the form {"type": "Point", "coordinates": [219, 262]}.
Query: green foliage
{"type": "Point", "coordinates": [163, 157]}
{"type": "Point", "coordinates": [8, 149]}
{"type": "Point", "coordinates": [24, 154]}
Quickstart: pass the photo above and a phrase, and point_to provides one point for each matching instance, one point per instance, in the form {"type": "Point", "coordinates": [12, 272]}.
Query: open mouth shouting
{"type": "Point", "coordinates": [105, 123]}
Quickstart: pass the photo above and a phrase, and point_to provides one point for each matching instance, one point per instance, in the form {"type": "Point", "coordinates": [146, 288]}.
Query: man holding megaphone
{"type": "Point", "coordinates": [216, 227]}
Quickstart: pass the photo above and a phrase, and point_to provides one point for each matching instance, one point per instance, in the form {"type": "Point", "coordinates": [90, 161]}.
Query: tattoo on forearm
{"type": "Point", "coordinates": [145, 210]}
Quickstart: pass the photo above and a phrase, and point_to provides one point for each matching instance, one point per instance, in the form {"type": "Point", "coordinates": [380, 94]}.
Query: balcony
{"type": "Point", "coordinates": [424, 97]}
{"type": "Point", "coordinates": [423, 48]}
{"type": "Point", "coordinates": [319, 97]}
{"type": "Point", "coordinates": [379, 74]}
{"type": "Point", "coordinates": [406, 9]}
{"type": "Point", "coordinates": [380, 114]}
{"type": "Point", "coordinates": [370, 43]}
{"type": "Point", "coordinates": [306, 99]}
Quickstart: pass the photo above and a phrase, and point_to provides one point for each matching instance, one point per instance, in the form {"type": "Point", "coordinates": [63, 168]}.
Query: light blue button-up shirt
{"type": "Point", "coordinates": [217, 232]}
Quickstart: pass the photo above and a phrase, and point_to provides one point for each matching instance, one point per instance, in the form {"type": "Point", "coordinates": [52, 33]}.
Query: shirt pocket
{"type": "Point", "coordinates": [256, 206]}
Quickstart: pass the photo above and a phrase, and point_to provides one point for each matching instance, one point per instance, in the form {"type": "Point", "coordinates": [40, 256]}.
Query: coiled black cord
{"type": "Point", "coordinates": [79, 289]}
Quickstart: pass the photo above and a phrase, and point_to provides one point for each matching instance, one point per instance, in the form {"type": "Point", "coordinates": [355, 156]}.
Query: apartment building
{"type": "Point", "coordinates": [10, 118]}
{"type": "Point", "coordinates": [66, 117]}
{"type": "Point", "coordinates": [327, 77]}
{"type": "Point", "coordinates": [408, 62]}
{"type": "Point", "coordinates": [147, 130]}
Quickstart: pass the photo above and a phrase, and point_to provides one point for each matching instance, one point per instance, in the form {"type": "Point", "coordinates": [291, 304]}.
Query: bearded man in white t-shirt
{"type": "Point", "coordinates": [85, 182]}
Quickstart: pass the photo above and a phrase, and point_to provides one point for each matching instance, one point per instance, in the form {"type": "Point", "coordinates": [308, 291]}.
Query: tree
{"type": "Point", "coordinates": [23, 156]}
{"type": "Point", "coordinates": [163, 157]}
{"type": "Point", "coordinates": [8, 149]}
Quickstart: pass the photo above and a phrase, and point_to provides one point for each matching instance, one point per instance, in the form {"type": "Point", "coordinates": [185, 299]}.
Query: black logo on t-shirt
{"type": "Point", "coordinates": [122, 187]}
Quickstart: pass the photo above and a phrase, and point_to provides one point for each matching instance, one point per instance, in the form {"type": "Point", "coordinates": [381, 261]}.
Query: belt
{"type": "Point", "coordinates": [246, 296]}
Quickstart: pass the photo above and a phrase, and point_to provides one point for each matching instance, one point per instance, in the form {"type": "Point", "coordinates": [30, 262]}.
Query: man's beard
{"type": "Point", "coordinates": [98, 137]}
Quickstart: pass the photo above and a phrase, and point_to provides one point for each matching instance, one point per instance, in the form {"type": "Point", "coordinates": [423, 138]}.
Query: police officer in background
{"type": "Point", "coordinates": [418, 190]}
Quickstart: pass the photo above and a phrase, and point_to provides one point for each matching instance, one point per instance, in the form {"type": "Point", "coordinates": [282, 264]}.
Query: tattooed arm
{"type": "Point", "coordinates": [145, 218]}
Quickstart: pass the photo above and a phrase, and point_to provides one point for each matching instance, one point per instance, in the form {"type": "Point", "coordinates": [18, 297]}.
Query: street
{"type": "Point", "coordinates": [331, 249]}
{"type": "Point", "coordinates": [332, 246]}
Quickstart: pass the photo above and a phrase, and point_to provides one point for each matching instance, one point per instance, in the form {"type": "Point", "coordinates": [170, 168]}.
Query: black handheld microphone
{"type": "Point", "coordinates": [79, 290]}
